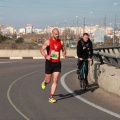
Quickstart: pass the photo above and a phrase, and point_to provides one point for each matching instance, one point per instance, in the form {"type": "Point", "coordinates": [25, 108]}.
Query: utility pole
{"type": "Point", "coordinates": [77, 27]}
{"type": "Point", "coordinates": [65, 31]}
{"type": "Point", "coordinates": [114, 23]}
{"type": "Point", "coordinates": [114, 29]}
{"type": "Point", "coordinates": [105, 23]}
{"type": "Point", "coordinates": [90, 22]}
{"type": "Point", "coordinates": [84, 25]}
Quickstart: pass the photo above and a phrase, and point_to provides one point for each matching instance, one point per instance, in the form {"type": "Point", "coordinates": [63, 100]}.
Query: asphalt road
{"type": "Point", "coordinates": [21, 96]}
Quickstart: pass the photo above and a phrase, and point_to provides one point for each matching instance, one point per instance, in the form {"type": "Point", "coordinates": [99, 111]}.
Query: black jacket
{"type": "Point", "coordinates": [84, 49]}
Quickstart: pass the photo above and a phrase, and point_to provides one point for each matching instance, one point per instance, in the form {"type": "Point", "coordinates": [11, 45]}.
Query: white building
{"type": "Point", "coordinates": [21, 31]}
{"type": "Point", "coordinates": [76, 30]}
{"type": "Point", "coordinates": [37, 31]}
{"type": "Point", "coordinates": [11, 30]}
{"type": "Point", "coordinates": [29, 29]}
{"type": "Point", "coordinates": [5, 31]}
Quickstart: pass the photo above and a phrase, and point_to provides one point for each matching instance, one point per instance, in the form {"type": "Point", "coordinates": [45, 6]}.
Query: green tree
{"type": "Point", "coordinates": [2, 38]}
{"type": "Point", "coordinates": [19, 40]}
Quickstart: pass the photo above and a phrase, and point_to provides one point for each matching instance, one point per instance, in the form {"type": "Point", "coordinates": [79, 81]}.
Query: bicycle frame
{"type": "Point", "coordinates": [83, 71]}
{"type": "Point", "coordinates": [83, 66]}
{"type": "Point", "coordinates": [83, 76]}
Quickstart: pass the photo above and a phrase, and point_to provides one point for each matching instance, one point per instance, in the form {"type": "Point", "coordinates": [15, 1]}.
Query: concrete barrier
{"type": "Point", "coordinates": [107, 77]}
{"type": "Point", "coordinates": [29, 53]}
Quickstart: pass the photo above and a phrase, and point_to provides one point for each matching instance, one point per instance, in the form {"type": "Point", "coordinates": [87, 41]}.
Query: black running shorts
{"type": "Point", "coordinates": [51, 67]}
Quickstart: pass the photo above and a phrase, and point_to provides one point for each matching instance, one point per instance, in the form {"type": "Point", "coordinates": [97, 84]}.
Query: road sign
{"type": "Point", "coordinates": [99, 35]}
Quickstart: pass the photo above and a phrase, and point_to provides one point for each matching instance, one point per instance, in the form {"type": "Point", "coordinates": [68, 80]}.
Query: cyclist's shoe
{"type": "Point", "coordinates": [52, 100]}
{"type": "Point", "coordinates": [43, 85]}
{"type": "Point", "coordinates": [81, 77]}
{"type": "Point", "coordinates": [77, 72]}
{"type": "Point", "coordinates": [86, 82]}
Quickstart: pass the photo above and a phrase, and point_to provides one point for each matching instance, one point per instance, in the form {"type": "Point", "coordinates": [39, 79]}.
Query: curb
{"type": "Point", "coordinates": [12, 58]}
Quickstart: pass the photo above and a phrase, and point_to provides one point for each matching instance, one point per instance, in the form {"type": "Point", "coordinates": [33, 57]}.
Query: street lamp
{"type": "Point", "coordinates": [114, 23]}
{"type": "Point", "coordinates": [77, 26]}
{"type": "Point", "coordinates": [90, 21]}
{"type": "Point", "coordinates": [115, 4]}
{"type": "Point", "coordinates": [65, 30]}
{"type": "Point", "coordinates": [65, 22]}
{"type": "Point", "coordinates": [77, 19]}
{"type": "Point", "coordinates": [91, 16]}
{"type": "Point", "coordinates": [84, 25]}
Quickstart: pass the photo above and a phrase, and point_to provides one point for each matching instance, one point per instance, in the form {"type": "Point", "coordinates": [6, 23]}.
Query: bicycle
{"type": "Point", "coordinates": [82, 74]}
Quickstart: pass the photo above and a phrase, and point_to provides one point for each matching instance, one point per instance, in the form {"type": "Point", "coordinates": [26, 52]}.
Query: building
{"type": "Point", "coordinates": [29, 29]}
{"type": "Point", "coordinates": [1, 27]}
{"type": "Point", "coordinates": [37, 31]}
{"type": "Point", "coordinates": [5, 31]}
{"type": "Point", "coordinates": [11, 30]}
{"type": "Point", "coordinates": [21, 31]}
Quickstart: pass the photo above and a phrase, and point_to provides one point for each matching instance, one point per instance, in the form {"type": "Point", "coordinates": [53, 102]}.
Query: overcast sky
{"type": "Point", "coordinates": [42, 13]}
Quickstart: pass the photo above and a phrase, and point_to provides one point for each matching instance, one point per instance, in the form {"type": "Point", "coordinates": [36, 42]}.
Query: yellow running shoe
{"type": "Point", "coordinates": [43, 85]}
{"type": "Point", "coordinates": [52, 100]}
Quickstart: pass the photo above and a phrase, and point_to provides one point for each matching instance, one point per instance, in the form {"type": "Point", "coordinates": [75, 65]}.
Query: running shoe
{"type": "Point", "coordinates": [52, 100]}
{"type": "Point", "coordinates": [43, 85]}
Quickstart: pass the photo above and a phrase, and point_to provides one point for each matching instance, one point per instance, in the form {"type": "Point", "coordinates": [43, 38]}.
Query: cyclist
{"type": "Point", "coordinates": [84, 51]}
{"type": "Point", "coordinates": [53, 63]}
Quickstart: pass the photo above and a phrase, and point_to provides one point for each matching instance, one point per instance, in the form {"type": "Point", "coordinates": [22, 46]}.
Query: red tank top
{"type": "Point", "coordinates": [54, 50]}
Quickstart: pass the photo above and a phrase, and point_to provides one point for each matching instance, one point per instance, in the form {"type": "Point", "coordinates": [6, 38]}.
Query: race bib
{"type": "Point", "coordinates": [54, 55]}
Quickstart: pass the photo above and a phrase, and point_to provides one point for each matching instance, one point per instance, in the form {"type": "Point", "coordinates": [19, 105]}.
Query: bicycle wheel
{"type": "Point", "coordinates": [79, 77]}
{"type": "Point", "coordinates": [84, 84]}
{"type": "Point", "coordinates": [85, 76]}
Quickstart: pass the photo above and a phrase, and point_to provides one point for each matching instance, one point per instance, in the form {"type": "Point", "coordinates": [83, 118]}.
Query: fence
{"type": "Point", "coordinates": [109, 55]}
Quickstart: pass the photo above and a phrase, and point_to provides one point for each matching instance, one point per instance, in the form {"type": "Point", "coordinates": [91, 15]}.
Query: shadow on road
{"type": "Point", "coordinates": [91, 88]}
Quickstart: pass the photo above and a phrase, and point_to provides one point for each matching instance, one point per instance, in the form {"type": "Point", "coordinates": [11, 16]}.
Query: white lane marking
{"type": "Point", "coordinates": [12, 58]}
{"type": "Point", "coordinates": [38, 58]}
{"type": "Point", "coordinates": [9, 90]}
{"type": "Point", "coordinates": [84, 100]}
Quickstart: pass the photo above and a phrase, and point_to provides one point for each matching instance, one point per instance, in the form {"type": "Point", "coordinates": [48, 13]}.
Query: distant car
{"type": "Point", "coordinates": [73, 45]}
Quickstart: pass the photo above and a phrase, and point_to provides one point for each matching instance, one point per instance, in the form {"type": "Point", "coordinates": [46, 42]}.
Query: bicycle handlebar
{"type": "Point", "coordinates": [87, 60]}
{"type": "Point", "coordinates": [84, 59]}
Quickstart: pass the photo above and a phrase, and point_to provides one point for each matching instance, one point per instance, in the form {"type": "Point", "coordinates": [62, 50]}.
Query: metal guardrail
{"type": "Point", "coordinates": [104, 55]}
{"type": "Point", "coordinates": [107, 49]}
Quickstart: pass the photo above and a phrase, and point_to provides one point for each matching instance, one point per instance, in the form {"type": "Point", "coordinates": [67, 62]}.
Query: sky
{"type": "Point", "coordinates": [43, 13]}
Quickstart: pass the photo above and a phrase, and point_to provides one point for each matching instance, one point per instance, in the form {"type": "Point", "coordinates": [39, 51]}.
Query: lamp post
{"type": "Point", "coordinates": [65, 22]}
{"type": "Point", "coordinates": [65, 30]}
{"type": "Point", "coordinates": [114, 23]}
{"type": "Point", "coordinates": [118, 25]}
{"type": "Point", "coordinates": [90, 21]}
{"type": "Point", "coordinates": [84, 25]}
{"type": "Point", "coordinates": [77, 27]}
